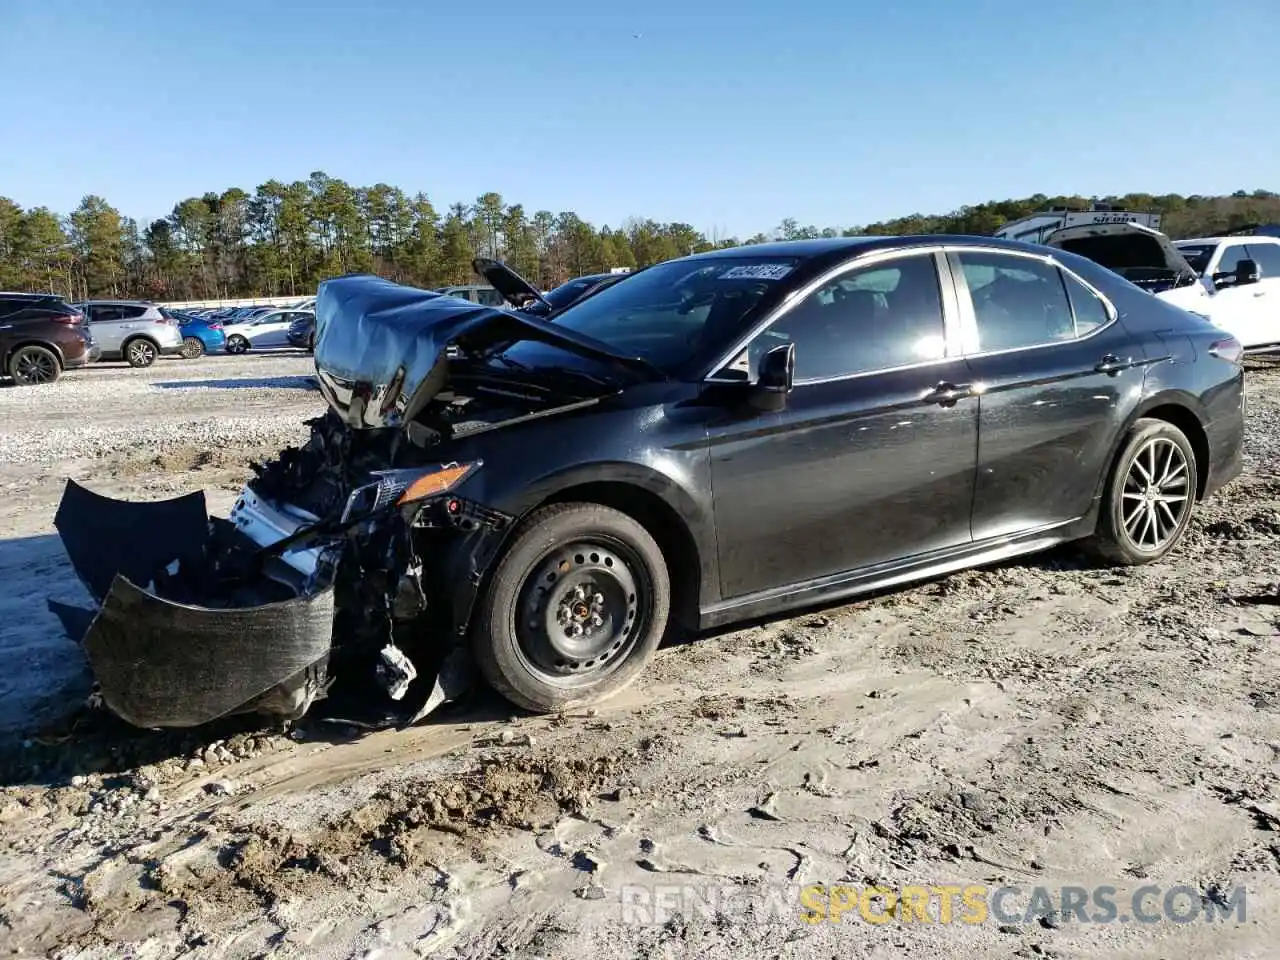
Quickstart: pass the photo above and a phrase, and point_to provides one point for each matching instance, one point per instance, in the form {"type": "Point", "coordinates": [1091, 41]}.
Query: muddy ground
{"type": "Point", "coordinates": [1037, 724]}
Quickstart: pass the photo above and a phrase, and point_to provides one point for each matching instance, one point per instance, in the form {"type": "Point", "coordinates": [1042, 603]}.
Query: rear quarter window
{"type": "Point", "coordinates": [1090, 312]}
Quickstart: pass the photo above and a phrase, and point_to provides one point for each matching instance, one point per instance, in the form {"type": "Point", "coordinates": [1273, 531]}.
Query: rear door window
{"type": "Point", "coordinates": [1017, 301]}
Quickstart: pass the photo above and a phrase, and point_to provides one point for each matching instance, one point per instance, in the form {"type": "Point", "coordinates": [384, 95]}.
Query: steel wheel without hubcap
{"type": "Point", "coordinates": [1156, 495]}
{"type": "Point", "coordinates": [582, 609]}
{"type": "Point", "coordinates": [141, 353]}
{"type": "Point", "coordinates": [34, 365]}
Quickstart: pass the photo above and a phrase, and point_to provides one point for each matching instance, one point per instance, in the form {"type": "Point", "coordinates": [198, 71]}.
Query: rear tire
{"type": "Point", "coordinates": [32, 365]}
{"type": "Point", "coordinates": [574, 609]}
{"type": "Point", "coordinates": [1149, 497]}
{"type": "Point", "coordinates": [237, 344]}
{"type": "Point", "coordinates": [311, 343]}
{"type": "Point", "coordinates": [140, 352]}
{"type": "Point", "coordinates": [192, 348]}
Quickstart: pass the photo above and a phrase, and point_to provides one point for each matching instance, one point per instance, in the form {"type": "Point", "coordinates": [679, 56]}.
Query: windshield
{"type": "Point", "coordinates": [1197, 254]}
{"type": "Point", "coordinates": [670, 313]}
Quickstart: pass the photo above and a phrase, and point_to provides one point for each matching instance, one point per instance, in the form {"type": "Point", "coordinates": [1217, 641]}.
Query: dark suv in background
{"type": "Point", "coordinates": [40, 336]}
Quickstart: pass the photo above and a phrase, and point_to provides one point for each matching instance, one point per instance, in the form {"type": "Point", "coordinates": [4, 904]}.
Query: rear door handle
{"type": "Point", "coordinates": [1111, 364]}
{"type": "Point", "coordinates": [1260, 293]}
{"type": "Point", "coordinates": [945, 394]}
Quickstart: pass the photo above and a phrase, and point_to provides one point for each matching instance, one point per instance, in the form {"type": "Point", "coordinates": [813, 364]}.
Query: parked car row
{"type": "Point", "coordinates": [42, 334]}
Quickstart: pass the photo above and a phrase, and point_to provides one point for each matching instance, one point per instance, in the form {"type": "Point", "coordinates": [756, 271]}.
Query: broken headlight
{"type": "Point", "coordinates": [405, 486]}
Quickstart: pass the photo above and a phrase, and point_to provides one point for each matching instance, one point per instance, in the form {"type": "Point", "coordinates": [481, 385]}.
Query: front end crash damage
{"type": "Point", "coordinates": [277, 607]}
{"type": "Point", "coordinates": [345, 574]}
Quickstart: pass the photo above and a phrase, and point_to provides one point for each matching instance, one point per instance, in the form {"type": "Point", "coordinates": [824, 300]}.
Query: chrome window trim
{"type": "Point", "coordinates": [969, 323]}
{"type": "Point", "coordinates": [947, 294]}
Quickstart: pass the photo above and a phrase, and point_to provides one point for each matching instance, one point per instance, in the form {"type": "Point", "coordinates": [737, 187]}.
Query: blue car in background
{"type": "Point", "coordinates": [200, 335]}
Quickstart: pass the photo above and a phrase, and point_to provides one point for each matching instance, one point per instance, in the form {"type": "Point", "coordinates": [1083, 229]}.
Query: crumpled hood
{"type": "Point", "coordinates": [381, 347]}
{"type": "Point", "coordinates": [1124, 248]}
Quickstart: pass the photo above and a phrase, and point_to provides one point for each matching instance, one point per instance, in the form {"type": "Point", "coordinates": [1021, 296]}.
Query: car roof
{"type": "Point", "coordinates": [121, 303]}
{"type": "Point", "coordinates": [836, 248]}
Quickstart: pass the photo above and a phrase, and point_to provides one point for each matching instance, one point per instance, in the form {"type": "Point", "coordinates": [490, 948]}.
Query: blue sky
{"type": "Point", "coordinates": [728, 115]}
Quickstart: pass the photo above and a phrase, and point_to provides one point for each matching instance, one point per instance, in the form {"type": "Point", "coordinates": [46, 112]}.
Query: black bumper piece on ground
{"type": "Point", "coordinates": [165, 664]}
{"type": "Point", "coordinates": [166, 661]}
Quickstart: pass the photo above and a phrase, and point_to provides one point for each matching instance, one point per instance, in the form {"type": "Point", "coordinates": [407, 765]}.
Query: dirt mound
{"type": "Point", "coordinates": [1264, 524]}
{"type": "Point", "coordinates": [413, 825]}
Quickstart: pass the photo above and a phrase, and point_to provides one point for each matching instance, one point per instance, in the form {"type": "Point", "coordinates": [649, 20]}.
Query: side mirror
{"type": "Point", "coordinates": [1246, 271]}
{"type": "Point", "coordinates": [775, 378]}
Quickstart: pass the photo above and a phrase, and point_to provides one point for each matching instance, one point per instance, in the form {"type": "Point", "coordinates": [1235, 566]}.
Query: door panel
{"type": "Point", "coordinates": [1049, 414]}
{"type": "Point", "coordinates": [270, 331]}
{"type": "Point", "coordinates": [853, 473]}
{"type": "Point", "coordinates": [859, 468]}
{"type": "Point", "coordinates": [106, 327]}
{"type": "Point", "coordinates": [1240, 310]}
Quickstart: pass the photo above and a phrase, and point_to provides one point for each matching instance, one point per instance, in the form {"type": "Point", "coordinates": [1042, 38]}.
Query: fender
{"type": "Point", "coordinates": [1171, 397]}
{"type": "Point", "coordinates": [47, 344]}
{"type": "Point", "coordinates": [470, 565]}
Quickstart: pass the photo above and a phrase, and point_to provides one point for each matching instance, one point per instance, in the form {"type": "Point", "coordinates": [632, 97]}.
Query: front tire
{"type": "Point", "coordinates": [192, 348]}
{"type": "Point", "coordinates": [1149, 497]}
{"type": "Point", "coordinates": [574, 609]}
{"type": "Point", "coordinates": [32, 365]}
{"type": "Point", "coordinates": [140, 352]}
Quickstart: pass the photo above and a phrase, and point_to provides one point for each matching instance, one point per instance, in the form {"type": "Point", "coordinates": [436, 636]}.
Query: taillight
{"type": "Point", "coordinates": [68, 318]}
{"type": "Point", "coordinates": [1228, 349]}
{"type": "Point", "coordinates": [215, 326]}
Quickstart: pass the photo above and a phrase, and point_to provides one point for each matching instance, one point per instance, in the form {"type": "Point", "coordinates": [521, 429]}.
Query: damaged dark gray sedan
{"type": "Point", "coordinates": [710, 439]}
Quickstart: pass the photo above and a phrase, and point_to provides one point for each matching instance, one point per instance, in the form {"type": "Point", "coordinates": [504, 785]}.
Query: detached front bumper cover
{"type": "Point", "coordinates": [178, 640]}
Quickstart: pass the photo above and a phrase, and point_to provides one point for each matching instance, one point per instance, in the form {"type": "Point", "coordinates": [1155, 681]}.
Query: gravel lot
{"type": "Point", "coordinates": [1036, 724]}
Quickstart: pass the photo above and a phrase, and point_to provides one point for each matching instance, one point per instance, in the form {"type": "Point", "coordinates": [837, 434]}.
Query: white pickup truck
{"type": "Point", "coordinates": [1233, 281]}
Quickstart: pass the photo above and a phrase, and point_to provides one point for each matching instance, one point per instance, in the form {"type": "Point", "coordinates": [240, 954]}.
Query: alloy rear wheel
{"type": "Point", "coordinates": [32, 365]}
{"type": "Point", "coordinates": [1149, 498]}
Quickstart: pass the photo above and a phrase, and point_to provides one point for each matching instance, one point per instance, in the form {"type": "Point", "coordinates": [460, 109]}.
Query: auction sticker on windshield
{"type": "Point", "coordinates": [757, 271]}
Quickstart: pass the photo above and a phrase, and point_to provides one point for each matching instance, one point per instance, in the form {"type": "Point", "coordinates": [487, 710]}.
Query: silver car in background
{"type": "Point", "coordinates": [131, 330]}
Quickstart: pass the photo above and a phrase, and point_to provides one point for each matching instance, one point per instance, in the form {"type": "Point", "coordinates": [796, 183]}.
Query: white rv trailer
{"type": "Point", "coordinates": [1036, 227]}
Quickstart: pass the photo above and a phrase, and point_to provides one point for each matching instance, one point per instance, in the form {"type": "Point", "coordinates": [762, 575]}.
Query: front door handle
{"type": "Point", "coordinates": [1259, 293]}
{"type": "Point", "coordinates": [945, 394]}
{"type": "Point", "coordinates": [1112, 365]}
